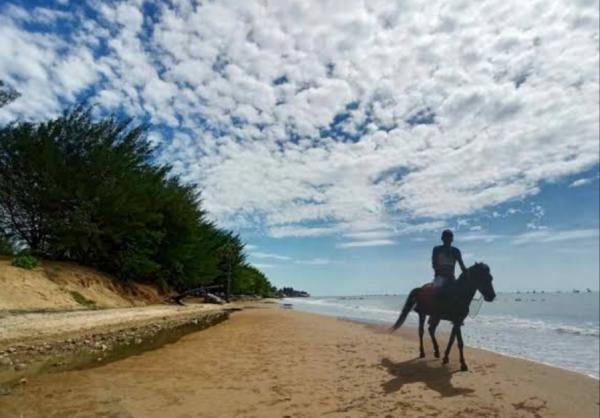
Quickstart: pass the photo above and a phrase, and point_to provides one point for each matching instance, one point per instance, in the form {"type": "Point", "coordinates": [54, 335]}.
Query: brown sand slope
{"type": "Point", "coordinates": [276, 363]}
{"type": "Point", "coordinates": [52, 286]}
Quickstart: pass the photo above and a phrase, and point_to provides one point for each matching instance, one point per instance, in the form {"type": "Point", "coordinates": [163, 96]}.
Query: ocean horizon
{"type": "Point", "coordinates": [561, 329]}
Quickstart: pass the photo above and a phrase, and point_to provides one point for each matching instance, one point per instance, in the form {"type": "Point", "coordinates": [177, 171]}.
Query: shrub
{"type": "Point", "coordinates": [25, 261]}
{"type": "Point", "coordinates": [82, 300]}
{"type": "Point", "coordinates": [5, 247]}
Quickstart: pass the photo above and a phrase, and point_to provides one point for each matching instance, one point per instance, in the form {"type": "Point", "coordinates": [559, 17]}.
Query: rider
{"type": "Point", "coordinates": [443, 261]}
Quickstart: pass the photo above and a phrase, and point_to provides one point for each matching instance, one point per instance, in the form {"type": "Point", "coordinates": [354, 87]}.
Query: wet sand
{"type": "Point", "coordinates": [270, 362]}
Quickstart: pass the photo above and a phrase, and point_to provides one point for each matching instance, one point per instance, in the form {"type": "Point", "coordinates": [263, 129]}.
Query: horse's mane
{"type": "Point", "coordinates": [475, 267]}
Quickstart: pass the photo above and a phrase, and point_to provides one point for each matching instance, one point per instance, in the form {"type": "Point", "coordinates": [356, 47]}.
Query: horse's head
{"type": "Point", "coordinates": [482, 279]}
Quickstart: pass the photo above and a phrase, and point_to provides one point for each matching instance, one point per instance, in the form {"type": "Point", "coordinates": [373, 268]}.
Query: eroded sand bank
{"type": "Point", "coordinates": [277, 363]}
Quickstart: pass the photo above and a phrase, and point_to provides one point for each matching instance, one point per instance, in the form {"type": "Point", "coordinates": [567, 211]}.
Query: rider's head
{"type": "Point", "coordinates": [447, 237]}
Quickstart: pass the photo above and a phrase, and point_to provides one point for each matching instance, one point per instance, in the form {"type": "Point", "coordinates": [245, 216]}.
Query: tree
{"type": "Point", "coordinates": [75, 188]}
{"type": "Point", "coordinates": [7, 94]}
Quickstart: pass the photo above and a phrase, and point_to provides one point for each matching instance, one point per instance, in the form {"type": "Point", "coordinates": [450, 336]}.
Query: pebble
{"type": "Point", "coordinates": [5, 361]}
{"type": "Point", "coordinates": [23, 380]}
{"type": "Point", "coordinates": [20, 366]}
{"type": "Point", "coordinates": [138, 341]}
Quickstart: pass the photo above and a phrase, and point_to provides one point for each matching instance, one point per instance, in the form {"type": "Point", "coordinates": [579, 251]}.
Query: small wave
{"type": "Point", "coordinates": [539, 325]}
{"type": "Point", "coordinates": [592, 332]}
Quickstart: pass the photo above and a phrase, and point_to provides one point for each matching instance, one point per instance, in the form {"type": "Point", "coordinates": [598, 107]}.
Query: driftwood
{"type": "Point", "coordinates": [212, 298]}
{"type": "Point", "coordinates": [199, 292]}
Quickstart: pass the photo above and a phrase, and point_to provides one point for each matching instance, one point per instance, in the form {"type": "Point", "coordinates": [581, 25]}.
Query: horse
{"type": "Point", "coordinates": [458, 297]}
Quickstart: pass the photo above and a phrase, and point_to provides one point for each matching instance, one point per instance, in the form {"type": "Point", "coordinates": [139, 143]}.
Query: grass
{"type": "Point", "coordinates": [82, 300]}
{"type": "Point", "coordinates": [25, 261]}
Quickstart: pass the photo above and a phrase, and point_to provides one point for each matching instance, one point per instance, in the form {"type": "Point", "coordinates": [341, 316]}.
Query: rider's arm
{"type": "Point", "coordinates": [434, 260]}
{"type": "Point", "coordinates": [460, 261]}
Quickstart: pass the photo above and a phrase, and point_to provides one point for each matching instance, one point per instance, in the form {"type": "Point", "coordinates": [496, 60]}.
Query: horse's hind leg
{"type": "Point", "coordinates": [421, 332]}
{"type": "Point", "coordinates": [433, 323]}
{"type": "Point", "coordinates": [449, 346]}
{"type": "Point", "coordinates": [459, 339]}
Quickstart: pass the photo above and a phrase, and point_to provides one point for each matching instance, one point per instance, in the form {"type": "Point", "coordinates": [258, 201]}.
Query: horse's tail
{"type": "Point", "coordinates": [411, 300]}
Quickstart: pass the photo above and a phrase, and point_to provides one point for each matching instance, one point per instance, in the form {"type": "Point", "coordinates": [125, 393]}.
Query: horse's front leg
{"type": "Point", "coordinates": [459, 339]}
{"type": "Point", "coordinates": [449, 346]}
{"type": "Point", "coordinates": [433, 323]}
{"type": "Point", "coordinates": [421, 332]}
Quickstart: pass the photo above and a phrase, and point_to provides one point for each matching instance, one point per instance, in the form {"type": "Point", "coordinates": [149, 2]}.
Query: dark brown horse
{"type": "Point", "coordinates": [453, 307]}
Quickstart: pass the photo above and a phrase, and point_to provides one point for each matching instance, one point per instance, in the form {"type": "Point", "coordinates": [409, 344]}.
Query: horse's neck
{"type": "Point", "coordinates": [465, 290]}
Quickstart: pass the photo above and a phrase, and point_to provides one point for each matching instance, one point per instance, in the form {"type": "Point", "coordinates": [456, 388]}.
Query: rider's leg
{"type": "Point", "coordinates": [421, 332]}
{"type": "Point", "coordinates": [449, 346]}
{"type": "Point", "coordinates": [433, 323]}
{"type": "Point", "coordinates": [459, 339]}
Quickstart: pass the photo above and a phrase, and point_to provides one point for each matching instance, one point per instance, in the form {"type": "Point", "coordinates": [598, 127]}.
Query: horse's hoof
{"type": "Point", "coordinates": [421, 355]}
{"type": "Point", "coordinates": [436, 354]}
{"type": "Point", "coordinates": [445, 360]}
{"type": "Point", "coordinates": [464, 368]}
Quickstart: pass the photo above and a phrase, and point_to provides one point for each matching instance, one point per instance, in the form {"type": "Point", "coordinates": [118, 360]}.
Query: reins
{"type": "Point", "coordinates": [475, 306]}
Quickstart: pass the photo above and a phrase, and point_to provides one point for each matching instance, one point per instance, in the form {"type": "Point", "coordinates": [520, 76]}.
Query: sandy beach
{"type": "Point", "coordinates": [269, 362]}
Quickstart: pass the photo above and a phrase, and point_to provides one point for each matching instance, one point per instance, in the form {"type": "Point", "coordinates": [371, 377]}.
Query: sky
{"type": "Point", "coordinates": [339, 138]}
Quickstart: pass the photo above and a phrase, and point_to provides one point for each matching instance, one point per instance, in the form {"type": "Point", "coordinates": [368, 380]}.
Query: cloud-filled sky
{"type": "Point", "coordinates": [340, 137]}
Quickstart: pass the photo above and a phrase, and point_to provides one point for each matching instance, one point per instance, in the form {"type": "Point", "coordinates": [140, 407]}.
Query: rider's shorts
{"type": "Point", "coordinates": [439, 281]}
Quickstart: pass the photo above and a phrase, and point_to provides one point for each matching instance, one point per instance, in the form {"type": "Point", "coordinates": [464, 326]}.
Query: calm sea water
{"type": "Point", "coordinates": [560, 329]}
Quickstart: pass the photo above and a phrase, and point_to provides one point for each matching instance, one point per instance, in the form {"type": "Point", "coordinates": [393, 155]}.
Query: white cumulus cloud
{"type": "Point", "coordinates": [308, 118]}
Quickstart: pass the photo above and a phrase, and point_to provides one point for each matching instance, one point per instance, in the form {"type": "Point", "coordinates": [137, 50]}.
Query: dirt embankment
{"type": "Point", "coordinates": [62, 316]}
{"type": "Point", "coordinates": [57, 286]}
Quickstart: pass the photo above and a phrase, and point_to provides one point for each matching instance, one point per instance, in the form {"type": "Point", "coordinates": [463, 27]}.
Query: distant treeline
{"type": "Point", "coordinates": [290, 292]}
{"type": "Point", "coordinates": [90, 191]}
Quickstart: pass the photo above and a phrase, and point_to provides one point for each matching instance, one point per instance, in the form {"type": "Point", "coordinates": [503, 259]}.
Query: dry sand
{"type": "Point", "coordinates": [277, 363]}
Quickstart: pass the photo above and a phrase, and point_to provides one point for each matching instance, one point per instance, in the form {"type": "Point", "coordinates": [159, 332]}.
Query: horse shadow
{"type": "Point", "coordinates": [437, 377]}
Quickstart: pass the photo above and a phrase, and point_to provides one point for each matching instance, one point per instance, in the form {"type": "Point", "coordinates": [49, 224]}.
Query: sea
{"type": "Point", "coordinates": [558, 329]}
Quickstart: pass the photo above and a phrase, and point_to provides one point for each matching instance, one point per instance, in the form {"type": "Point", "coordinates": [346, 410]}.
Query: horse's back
{"type": "Point", "coordinates": [426, 298]}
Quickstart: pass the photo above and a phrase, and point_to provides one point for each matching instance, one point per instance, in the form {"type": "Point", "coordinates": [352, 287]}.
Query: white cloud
{"type": "Point", "coordinates": [314, 262]}
{"type": "Point", "coordinates": [441, 109]}
{"type": "Point", "coordinates": [262, 255]}
{"type": "Point", "coordinates": [264, 265]}
{"type": "Point", "coordinates": [582, 181]}
{"type": "Point", "coordinates": [550, 235]}
{"type": "Point", "coordinates": [301, 231]}
{"type": "Point", "coordinates": [478, 236]}
{"type": "Point", "coordinates": [371, 243]}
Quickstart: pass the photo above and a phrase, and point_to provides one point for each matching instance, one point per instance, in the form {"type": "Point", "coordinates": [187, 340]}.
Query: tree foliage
{"type": "Point", "coordinates": [251, 281]}
{"type": "Point", "coordinates": [75, 188]}
{"type": "Point", "coordinates": [7, 94]}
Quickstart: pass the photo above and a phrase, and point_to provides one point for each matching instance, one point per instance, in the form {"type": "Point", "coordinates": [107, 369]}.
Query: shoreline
{"type": "Point", "coordinates": [274, 362]}
{"type": "Point", "coordinates": [583, 361]}
{"type": "Point", "coordinates": [444, 334]}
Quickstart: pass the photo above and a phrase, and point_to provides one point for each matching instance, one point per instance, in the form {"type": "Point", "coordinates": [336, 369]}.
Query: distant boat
{"type": "Point", "coordinates": [588, 290]}
{"type": "Point", "coordinates": [576, 291]}
{"type": "Point", "coordinates": [518, 300]}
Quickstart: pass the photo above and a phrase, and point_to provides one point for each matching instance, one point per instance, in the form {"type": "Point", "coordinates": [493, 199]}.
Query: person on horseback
{"type": "Point", "coordinates": [443, 261]}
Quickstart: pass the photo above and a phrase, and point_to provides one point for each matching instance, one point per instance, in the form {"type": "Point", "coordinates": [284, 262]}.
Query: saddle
{"type": "Point", "coordinates": [438, 300]}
